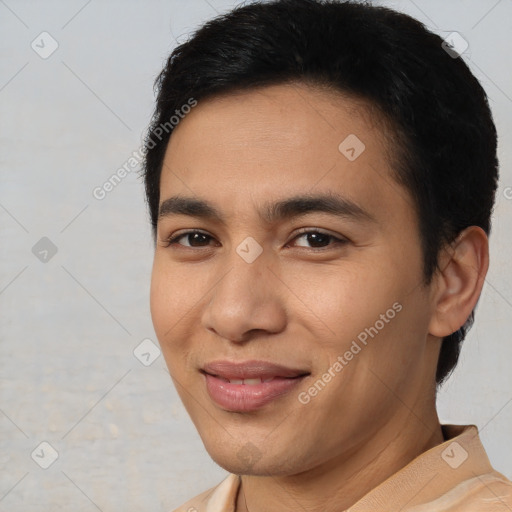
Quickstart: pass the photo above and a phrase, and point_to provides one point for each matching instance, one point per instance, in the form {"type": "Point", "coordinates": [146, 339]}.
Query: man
{"type": "Point", "coordinates": [321, 216]}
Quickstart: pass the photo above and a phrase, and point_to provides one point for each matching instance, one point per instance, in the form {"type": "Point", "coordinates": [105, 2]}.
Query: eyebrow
{"type": "Point", "coordinates": [285, 209]}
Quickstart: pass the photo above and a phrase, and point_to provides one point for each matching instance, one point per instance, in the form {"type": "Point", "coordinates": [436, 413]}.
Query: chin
{"type": "Point", "coordinates": [249, 460]}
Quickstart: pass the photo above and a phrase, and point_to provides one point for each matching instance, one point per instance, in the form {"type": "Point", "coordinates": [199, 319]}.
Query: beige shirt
{"type": "Point", "coordinates": [455, 476]}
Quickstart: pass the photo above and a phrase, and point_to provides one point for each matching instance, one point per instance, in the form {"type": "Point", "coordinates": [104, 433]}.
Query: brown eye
{"type": "Point", "coordinates": [318, 239]}
{"type": "Point", "coordinates": [194, 239]}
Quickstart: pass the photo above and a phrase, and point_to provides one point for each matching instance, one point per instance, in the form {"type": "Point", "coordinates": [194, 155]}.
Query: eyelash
{"type": "Point", "coordinates": [172, 239]}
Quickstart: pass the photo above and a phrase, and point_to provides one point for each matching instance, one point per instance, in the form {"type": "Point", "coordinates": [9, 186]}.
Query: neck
{"type": "Point", "coordinates": [340, 482]}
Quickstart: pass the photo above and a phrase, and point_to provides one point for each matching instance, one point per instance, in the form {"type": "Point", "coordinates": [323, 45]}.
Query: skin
{"type": "Point", "coordinates": [303, 306]}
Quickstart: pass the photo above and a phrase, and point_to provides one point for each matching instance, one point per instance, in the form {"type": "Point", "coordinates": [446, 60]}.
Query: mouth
{"type": "Point", "coordinates": [250, 381]}
{"type": "Point", "coordinates": [249, 385]}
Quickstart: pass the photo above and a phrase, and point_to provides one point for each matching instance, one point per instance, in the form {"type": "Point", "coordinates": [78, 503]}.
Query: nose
{"type": "Point", "coordinates": [246, 302]}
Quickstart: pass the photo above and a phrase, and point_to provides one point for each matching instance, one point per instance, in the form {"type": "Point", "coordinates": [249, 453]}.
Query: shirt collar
{"type": "Point", "coordinates": [431, 474]}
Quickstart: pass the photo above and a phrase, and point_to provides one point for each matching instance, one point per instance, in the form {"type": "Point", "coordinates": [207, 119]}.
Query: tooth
{"type": "Point", "coordinates": [268, 380]}
{"type": "Point", "coordinates": [236, 381]}
{"type": "Point", "coordinates": [252, 382]}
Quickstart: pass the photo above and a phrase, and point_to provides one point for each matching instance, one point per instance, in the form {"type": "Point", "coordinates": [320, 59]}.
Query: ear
{"type": "Point", "coordinates": [462, 269]}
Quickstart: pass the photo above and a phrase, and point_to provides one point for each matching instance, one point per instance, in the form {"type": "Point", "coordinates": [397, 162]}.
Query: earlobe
{"type": "Point", "coordinates": [462, 269]}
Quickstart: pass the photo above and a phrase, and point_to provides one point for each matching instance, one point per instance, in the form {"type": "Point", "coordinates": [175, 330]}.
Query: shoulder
{"type": "Point", "coordinates": [489, 492]}
{"type": "Point", "coordinates": [220, 498]}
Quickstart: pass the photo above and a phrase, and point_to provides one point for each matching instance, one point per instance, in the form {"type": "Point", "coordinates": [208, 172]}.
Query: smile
{"type": "Point", "coordinates": [250, 385]}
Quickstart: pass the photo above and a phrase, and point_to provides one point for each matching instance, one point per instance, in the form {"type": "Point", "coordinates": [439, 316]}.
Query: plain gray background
{"type": "Point", "coordinates": [70, 321]}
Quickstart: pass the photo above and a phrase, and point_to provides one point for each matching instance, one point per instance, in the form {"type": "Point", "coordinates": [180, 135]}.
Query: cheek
{"type": "Point", "coordinates": [171, 300]}
{"type": "Point", "coordinates": [371, 318]}
{"type": "Point", "coordinates": [342, 301]}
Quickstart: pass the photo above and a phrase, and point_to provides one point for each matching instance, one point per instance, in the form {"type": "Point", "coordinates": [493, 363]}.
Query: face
{"type": "Point", "coordinates": [293, 256]}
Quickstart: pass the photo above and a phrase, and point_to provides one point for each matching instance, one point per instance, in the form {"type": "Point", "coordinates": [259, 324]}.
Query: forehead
{"type": "Point", "coordinates": [281, 140]}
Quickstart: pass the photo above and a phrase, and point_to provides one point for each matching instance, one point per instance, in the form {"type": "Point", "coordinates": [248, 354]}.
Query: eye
{"type": "Point", "coordinates": [315, 238]}
{"type": "Point", "coordinates": [194, 239]}
{"type": "Point", "coordinates": [319, 239]}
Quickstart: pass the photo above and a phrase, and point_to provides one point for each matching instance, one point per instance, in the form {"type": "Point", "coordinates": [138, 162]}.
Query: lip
{"type": "Point", "coordinates": [240, 397]}
{"type": "Point", "coordinates": [250, 370]}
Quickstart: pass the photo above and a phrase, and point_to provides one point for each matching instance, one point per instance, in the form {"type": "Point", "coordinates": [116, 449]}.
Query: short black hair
{"type": "Point", "coordinates": [443, 135]}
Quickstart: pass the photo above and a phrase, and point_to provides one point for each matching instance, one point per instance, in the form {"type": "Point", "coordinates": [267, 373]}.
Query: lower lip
{"type": "Point", "coordinates": [244, 397]}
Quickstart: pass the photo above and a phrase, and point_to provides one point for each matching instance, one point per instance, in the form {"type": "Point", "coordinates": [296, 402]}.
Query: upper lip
{"type": "Point", "coordinates": [250, 370]}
